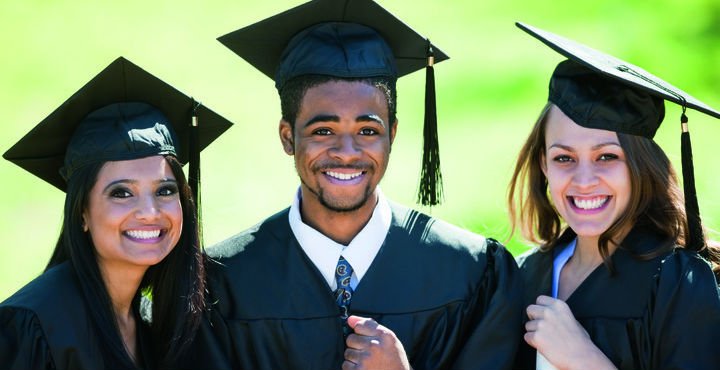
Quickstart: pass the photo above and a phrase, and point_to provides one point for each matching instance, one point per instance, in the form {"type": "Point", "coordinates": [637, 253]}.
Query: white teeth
{"type": "Point", "coordinates": [142, 234]}
{"type": "Point", "coordinates": [343, 176]}
{"type": "Point", "coordinates": [590, 203]}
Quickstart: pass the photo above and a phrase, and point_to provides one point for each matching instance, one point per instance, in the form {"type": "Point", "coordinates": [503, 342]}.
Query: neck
{"type": "Point", "coordinates": [587, 253]}
{"type": "Point", "coordinates": [122, 284]}
{"type": "Point", "coordinates": [587, 250]}
{"type": "Point", "coordinates": [341, 227]}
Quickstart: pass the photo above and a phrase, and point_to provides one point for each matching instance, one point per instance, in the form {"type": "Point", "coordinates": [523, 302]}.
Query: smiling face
{"type": "Point", "coordinates": [341, 143]}
{"type": "Point", "coordinates": [587, 173]}
{"type": "Point", "coordinates": [134, 215]}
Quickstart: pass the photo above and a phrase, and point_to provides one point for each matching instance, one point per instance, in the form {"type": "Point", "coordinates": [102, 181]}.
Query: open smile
{"type": "Point", "coordinates": [344, 176]}
{"type": "Point", "coordinates": [589, 204]}
{"type": "Point", "coordinates": [145, 236]}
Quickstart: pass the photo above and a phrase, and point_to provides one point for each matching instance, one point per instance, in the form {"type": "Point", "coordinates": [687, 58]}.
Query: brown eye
{"type": "Point", "coordinates": [120, 193]}
{"type": "Point", "coordinates": [562, 158]}
{"type": "Point", "coordinates": [167, 190]}
{"type": "Point", "coordinates": [322, 131]}
{"type": "Point", "coordinates": [608, 157]}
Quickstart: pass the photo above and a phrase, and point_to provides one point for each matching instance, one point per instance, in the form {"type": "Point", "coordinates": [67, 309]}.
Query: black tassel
{"type": "Point", "coordinates": [430, 191]}
{"type": "Point", "coordinates": [194, 168]}
{"type": "Point", "coordinates": [695, 239]}
{"type": "Point", "coordinates": [194, 154]}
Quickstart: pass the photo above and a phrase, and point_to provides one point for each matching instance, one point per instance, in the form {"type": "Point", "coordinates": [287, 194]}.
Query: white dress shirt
{"type": "Point", "coordinates": [324, 252]}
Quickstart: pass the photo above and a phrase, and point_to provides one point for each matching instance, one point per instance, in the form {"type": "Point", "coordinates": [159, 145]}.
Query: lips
{"type": "Point", "coordinates": [144, 236]}
{"type": "Point", "coordinates": [343, 176]}
{"type": "Point", "coordinates": [589, 204]}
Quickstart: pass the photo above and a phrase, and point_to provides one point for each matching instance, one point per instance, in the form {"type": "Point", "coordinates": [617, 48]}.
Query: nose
{"type": "Point", "coordinates": [345, 148]}
{"type": "Point", "coordinates": [585, 176]}
{"type": "Point", "coordinates": [147, 207]}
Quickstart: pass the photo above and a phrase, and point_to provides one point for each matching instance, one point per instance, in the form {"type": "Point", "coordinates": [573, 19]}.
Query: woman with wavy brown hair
{"type": "Point", "coordinates": [614, 282]}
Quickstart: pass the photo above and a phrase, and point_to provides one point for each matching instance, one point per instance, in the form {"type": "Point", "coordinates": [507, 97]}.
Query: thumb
{"type": "Point", "coordinates": [354, 320]}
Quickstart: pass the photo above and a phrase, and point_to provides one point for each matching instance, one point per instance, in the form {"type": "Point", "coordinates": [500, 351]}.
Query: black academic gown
{"type": "Point", "coordinates": [46, 325]}
{"type": "Point", "coordinates": [451, 297]}
{"type": "Point", "coordinates": [662, 313]}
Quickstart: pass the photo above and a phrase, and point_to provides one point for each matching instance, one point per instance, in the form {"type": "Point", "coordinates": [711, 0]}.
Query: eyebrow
{"type": "Point", "coordinates": [322, 118]}
{"type": "Point", "coordinates": [594, 147]}
{"type": "Point", "coordinates": [129, 181]}
{"type": "Point", "coordinates": [333, 118]}
{"type": "Point", "coordinates": [371, 118]}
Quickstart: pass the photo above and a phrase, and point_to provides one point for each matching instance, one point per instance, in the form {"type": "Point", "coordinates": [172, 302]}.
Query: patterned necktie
{"type": "Point", "coordinates": [343, 293]}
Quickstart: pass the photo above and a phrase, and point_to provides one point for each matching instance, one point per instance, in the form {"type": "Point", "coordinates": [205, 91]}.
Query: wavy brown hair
{"type": "Point", "coordinates": [656, 200]}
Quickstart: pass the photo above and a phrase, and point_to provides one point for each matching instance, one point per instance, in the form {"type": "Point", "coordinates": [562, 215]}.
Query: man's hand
{"type": "Point", "coordinates": [373, 346]}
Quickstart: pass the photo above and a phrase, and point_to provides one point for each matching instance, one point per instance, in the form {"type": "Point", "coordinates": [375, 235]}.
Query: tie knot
{"type": "Point", "coordinates": [343, 272]}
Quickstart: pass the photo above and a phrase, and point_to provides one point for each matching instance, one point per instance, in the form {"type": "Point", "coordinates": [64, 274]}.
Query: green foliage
{"type": "Point", "coordinates": [489, 93]}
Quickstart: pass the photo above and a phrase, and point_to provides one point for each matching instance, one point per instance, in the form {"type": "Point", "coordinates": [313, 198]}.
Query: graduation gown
{"type": "Point", "coordinates": [451, 297]}
{"type": "Point", "coordinates": [662, 313]}
{"type": "Point", "coordinates": [46, 325]}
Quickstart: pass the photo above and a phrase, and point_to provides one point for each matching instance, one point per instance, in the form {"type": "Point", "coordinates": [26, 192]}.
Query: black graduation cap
{"type": "Point", "coordinates": [346, 39]}
{"type": "Point", "coordinates": [122, 113]}
{"type": "Point", "coordinates": [597, 90]}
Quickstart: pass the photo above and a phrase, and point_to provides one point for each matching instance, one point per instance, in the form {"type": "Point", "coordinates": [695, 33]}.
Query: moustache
{"type": "Point", "coordinates": [329, 165]}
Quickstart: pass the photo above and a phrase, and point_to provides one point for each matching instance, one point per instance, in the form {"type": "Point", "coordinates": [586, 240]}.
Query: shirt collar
{"type": "Point", "coordinates": [324, 252]}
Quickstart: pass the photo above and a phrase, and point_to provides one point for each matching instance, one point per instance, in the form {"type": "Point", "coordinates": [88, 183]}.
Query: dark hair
{"type": "Point", "coordinates": [176, 285]}
{"type": "Point", "coordinates": [294, 90]}
{"type": "Point", "coordinates": [656, 201]}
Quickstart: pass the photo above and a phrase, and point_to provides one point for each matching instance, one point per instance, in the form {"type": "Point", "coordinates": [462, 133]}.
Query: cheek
{"type": "Point", "coordinates": [378, 149]}
{"type": "Point", "coordinates": [174, 212]}
{"type": "Point", "coordinates": [306, 151]}
{"type": "Point", "coordinates": [105, 217]}
{"type": "Point", "coordinates": [557, 181]}
{"type": "Point", "coordinates": [624, 188]}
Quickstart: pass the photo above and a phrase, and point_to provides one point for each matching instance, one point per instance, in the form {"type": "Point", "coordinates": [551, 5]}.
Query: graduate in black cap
{"type": "Point", "coordinates": [623, 276]}
{"type": "Point", "coordinates": [344, 278]}
{"type": "Point", "coordinates": [125, 286]}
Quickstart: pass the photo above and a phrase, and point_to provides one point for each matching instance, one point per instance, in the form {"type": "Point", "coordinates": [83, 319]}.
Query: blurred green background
{"type": "Point", "coordinates": [489, 94]}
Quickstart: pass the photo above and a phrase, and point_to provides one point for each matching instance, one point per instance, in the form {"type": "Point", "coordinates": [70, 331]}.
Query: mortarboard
{"type": "Point", "coordinates": [597, 90]}
{"type": "Point", "coordinates": [346, 39]}
{"type": "Point", "coordinates": [122, 113]}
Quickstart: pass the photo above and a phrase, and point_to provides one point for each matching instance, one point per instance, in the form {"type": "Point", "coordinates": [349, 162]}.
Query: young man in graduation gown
{"type": "Point", "coordinates": [344, 278]}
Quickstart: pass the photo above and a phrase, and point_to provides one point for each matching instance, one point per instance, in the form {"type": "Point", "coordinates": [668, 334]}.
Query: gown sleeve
{"type": "Point", "coordinates": [22, 342]}
{"type": "Point", "coordinates": [497, 333]}
{"type": "Point", "coordinates": [686, 315]}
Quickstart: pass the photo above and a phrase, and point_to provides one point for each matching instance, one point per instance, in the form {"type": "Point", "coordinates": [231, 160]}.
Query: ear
{"type": "Point", "coordinates": [393, 131]}
{"type": "Point", "coordinates": [543, 164]}
{"type": "Point", "coordinates": [286, 137]}
{"type": "Point", "coordinates": [85, 223]}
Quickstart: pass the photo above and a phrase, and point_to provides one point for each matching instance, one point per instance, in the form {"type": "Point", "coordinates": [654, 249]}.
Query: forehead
{"type": "Point", "coordinates": [147, 168]}
{"type": "Point", "coordinates": [331, 96]}
{"type": "Point", "coordinates": [561, 129]}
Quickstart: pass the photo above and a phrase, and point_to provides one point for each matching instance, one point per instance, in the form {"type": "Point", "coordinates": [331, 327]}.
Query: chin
{"type": "Point", "coordinates": [343, 206]}
{"type": "Point", "coordinates": [589, 231]}
{"type": "Point", "coordinates": [345, 202]}
{"type": "Point", "coordinates": [150, 259]}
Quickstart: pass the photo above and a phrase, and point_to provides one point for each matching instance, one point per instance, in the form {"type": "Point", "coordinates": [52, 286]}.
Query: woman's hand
{"type": "Point", "coordinates": [555, 333]}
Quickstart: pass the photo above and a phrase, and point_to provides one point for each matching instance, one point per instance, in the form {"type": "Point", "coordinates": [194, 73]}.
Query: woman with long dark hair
{"type": "Point", "coordinates": [125, 286]}
{"type": "Point", "coordinates": [620, 279]}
